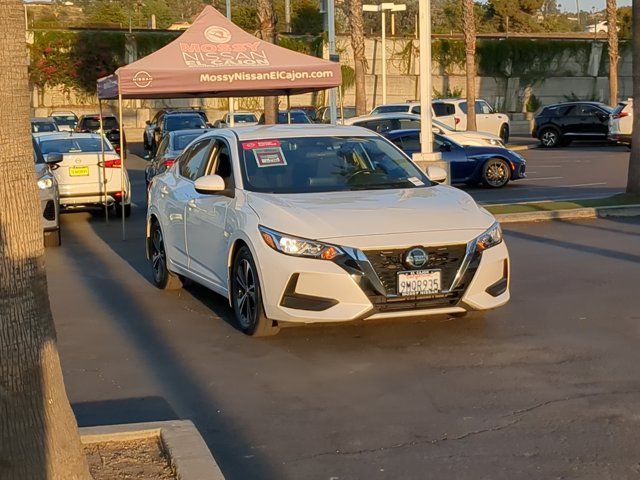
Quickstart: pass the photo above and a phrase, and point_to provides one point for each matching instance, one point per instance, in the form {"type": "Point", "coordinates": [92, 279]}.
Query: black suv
{"type": "Point", "coordinates": [562, 123]}
{"type": "Point", "coordinates": [170, 120]}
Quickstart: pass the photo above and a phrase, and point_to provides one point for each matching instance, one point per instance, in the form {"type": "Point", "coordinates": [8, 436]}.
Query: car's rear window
{"type": "Point", "coordinates": [37, 127]}
{"type": "Point", "coordinates": [619, 108]}
{"type": "Point", "coordinates": [72, 145]}
{"type": "Point", "coordinates": [296, 117]}
{"type": "Point", "coordinates": [443, 109]}
{"type": "Point", "coordinates": [93, 123]}
{"type": "Point", "coordinates": [390, 109]}
{"type": "Point", "coordinates": [245, 118]}
{"type": "Point", "coordinates": [66, 120]}
{"type": "Point", "coordinates": [183, 122]}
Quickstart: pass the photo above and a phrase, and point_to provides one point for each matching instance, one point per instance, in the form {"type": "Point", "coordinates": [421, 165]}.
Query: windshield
{"type": "Point", "coordinates": [93, 123]}
{"type": "Point", "coordinates": [245, 118]}
{"type": "Point", "coordinates": [326, 164]}
{"type": "Point", "coordinates": [390, 109]}
{"type": "Point", "coordinates": [72, 145]}
{"type": "Point", "coordinates": [296, 117]}
{"type": "Point", "coordinates": [43, 127]}
{"type": "Point", "coordinates": [183, 122]}
{"type": "Point", "coordinates": [180, 142]}
{"type": "Point", "coordinates": [66, 120]}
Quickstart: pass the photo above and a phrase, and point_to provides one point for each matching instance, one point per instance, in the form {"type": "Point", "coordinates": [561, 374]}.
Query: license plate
{"type": "Point", "coordinates": [79, 171]}
{"type": "Point", "coordinates": [419, 282]}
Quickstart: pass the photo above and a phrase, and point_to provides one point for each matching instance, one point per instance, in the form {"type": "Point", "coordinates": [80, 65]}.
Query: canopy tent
{"type": "Point", "coordinates": [216, 58]}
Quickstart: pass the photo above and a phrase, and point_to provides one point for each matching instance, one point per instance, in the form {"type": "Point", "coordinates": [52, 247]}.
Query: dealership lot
{"type": "Point", "coordinates": [545, 387]}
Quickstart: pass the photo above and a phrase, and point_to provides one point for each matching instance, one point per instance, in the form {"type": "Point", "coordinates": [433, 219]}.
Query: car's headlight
{"type": "Point", "coordinates": [45, 183]}
{"type": "Point", "coordinates": [494, 142]}
{"type": "Point", "coordinates": [298, 247]}
{"type": "Point", "coordinates": [490, 238]}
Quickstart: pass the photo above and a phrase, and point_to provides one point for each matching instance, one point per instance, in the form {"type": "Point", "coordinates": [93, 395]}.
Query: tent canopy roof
{"type": "Point", "coordinates": [216, 58]}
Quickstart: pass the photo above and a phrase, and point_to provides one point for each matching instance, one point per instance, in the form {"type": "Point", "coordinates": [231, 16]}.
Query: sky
{"type": "Point", "coordinates": [586, 5]}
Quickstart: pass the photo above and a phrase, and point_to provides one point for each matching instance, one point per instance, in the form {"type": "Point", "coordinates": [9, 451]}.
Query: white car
{"type": "Point", "coordinates": [240, 119]}
{"type": "Point", "coordinates": [301, 224]}
{"type": "Point", "coordinates": [387, 122]}
{"type": "Point", "coordinates": [414, 108]}
{"type": "Point", "coordinates": [486, 119]}
{"type": "Point", "coordinates": [81, 176]}
{"type": "Point", "coordinates": [621, 122]}
{"type": "Point", "coordinates": [66, 121]}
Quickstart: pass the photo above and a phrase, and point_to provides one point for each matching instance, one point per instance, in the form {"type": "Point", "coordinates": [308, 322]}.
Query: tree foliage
{"type": "Point", "coordinates": [306, 18]}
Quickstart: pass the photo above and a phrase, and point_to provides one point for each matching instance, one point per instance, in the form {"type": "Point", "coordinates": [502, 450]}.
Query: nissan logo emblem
{"type": "Point", "coordinates": [416, 258]}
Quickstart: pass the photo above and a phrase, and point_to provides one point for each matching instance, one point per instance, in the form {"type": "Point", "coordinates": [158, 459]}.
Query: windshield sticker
{"type": "Point", "coordinates": [416, 181]}
{"type": "Point", "coordinates": [260, 144]}
{"type": "Point", "coordinates": [269, 157]}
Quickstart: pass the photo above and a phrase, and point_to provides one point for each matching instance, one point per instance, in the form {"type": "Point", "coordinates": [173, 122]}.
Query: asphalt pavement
{"type": "Point", "coordinates": [546, 387]}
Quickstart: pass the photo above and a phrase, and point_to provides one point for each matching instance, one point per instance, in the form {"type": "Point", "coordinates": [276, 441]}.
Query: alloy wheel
{"type": "Point", "coordinates": [549, 138]}
{"type": "Point", "coordinates": [497, 173]}
{"type": "Point", "coordinates": [245, 293]}
{"type": "Point", "coordinates": [158, 256]}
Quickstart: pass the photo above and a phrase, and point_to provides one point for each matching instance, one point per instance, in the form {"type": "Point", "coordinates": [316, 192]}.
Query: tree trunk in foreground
{"type": "Point", "coordinates": [614, 57]}
{"type": "Point", "coordinates": [469, 27]}
{"type": "Point", "coordinates": [267, 22]}
{"type": "Point", "coordinates": [38, 432]}
{"type": "Point", "coordinates": [633, 180]}
{"type": "Point", "coordinates": [356, 21]}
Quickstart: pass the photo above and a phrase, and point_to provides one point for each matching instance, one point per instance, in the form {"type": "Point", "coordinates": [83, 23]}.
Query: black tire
{"type": "Point", "coordinates": [161, 276]}
{"type": "Point", "coordinates": [53, 238]}
{"type": "Point", "coordinates": [550, 138]}
{"type": "Point", "coordinates": [504, 133]}
{"type": "Point", "coordinates": [496, 173]}
{"type": "Point", "coordinates": [246, 297]}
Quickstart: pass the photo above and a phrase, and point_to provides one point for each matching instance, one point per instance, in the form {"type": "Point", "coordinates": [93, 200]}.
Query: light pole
{"type": "Point", "coordinates": [328, 9]}
{"type": "Point", "coordinates": [232, 119]}
{"type": "Point", "coordinates": [427, 156]}
{"type": "Point", "coordinates": [383, 8]}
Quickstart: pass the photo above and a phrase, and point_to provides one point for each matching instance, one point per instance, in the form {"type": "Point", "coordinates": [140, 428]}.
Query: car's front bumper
{"type": "Point", "coordinates": [50, 209]}
{"type": "Point", "coordinates": [308, 290]}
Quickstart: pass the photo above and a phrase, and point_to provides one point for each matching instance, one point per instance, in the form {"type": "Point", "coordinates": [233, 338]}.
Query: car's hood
{"type": "Point", "coordinates": [476, 150]}
{"type": "Point", "coordinates": [378, 212]}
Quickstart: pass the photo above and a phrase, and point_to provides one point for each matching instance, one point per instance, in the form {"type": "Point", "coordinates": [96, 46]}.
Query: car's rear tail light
{"type": "Point", "coordinates": [168, 162]}
{"type": "Point", "coordinates": [457, 119]}
{"type": "Point", "coordinates": [620, 115]}
{"type": "Point", "coordinates": [117, 195]}
{"type": "Point", "coordinates": [116, 163]}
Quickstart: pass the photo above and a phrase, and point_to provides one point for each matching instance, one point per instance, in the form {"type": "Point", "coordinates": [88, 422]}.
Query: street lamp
{"type": "Point", "coordinates": [383, 8]}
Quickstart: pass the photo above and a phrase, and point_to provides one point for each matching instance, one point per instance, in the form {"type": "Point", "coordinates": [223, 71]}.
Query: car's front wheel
{"type": "Point", "coordinates": [496, 173]}
{"type": "Point", "coordinates": [246, 297]}
{"type": "Point", "coordinates": [162, 277]}
{"type": "Point", "coordinates": [550, 138]}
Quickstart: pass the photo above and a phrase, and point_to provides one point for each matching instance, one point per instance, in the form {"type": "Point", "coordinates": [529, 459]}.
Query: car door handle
{"type": "Point", "coordinates": [164, 190]}
{"type": "Point", "coordinates": [191, 204]}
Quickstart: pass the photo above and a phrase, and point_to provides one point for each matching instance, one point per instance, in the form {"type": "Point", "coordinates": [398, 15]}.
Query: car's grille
{"type": "Point", "coordinates": [447, 259]}
{"type": "Point", "coordinates": [49, 212]}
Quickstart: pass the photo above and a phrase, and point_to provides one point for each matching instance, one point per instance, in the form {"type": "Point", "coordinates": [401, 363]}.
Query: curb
{"type": "Point", "coordinates": [570, 214]}
{"type": "Point", "coordinates": [184, 446]}
{"type": "Point", "coordinates": [520, 148]}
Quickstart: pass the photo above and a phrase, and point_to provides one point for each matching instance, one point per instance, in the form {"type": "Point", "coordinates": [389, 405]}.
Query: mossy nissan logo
{"type": "Point", "coordinates": [217, 34]}
{"type": "Point", "coordinates": [142, 79]}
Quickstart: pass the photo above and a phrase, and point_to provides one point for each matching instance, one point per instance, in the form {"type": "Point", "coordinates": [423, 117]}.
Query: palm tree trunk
{"type": "Point", "coordinates": [633, 179]}
{"type": "Point", "coordinates": [614, 57]}
{"type": "Point", "coordinates": [356, 22]}
{"type": "Point", "coordinates": [267, 22]}
{"type": "Point", "coordinates": [38, 432]}
{"type": "Point", "coordinates": [469, 26]}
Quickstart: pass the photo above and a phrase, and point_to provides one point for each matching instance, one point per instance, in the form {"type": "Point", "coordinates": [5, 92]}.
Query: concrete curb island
{"type": "Point", "coordinates": [182, 442]}
{"type": "Point", "coordinates": [570, 214]}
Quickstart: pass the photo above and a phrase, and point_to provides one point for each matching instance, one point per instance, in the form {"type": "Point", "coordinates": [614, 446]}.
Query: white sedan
{"type": "Point", "coordinates": [300, 223]}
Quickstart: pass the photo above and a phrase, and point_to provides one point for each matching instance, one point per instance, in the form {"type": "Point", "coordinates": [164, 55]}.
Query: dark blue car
{"type": "Point", "coordinates": [492, 166]}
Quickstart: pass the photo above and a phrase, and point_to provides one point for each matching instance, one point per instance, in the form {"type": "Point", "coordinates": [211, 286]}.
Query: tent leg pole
{"type": "Point", "coordinates": [122, 157]}
{"type": "Point", "coordinates": [232, 109]}
{"type": "Point", "coordinates": [104, 171]}
{"type": "Point", "coordinates": [288, 109]}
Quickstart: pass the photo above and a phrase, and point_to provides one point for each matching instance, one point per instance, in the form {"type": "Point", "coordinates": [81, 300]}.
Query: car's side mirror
{"type": "Point", "coordinates": [436, 174]}
{"type": "Point", "coordinates": [209, 184]}
{"type": "Point", "coordinates": [53, 158]}
{"type": "Point", "coordinates": [445, 147]}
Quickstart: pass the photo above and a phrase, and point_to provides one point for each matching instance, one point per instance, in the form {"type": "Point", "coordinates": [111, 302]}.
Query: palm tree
{"type": "Point", "coordinates": [633, 180]}
{"type": "Point", "coordinates": [614, 57]}
{"type": "Point", "coordinates": [356, 21]}
{"type": "Point", "coordinates": [38, 432]}
{"type": "Point", "coordinates": [267, 32]}
{"type": "Point", "coordinates": [469, 27]}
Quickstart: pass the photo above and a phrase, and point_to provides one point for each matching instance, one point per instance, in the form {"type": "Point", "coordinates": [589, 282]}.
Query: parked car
{"type": "Point", "coordinates": [311, 111]}
{"type": "Point", "coordinates": [491, 166]}
{"type": "Point", "coordinates": [169, 150]}
{"type": "Point", "coordinates": [385, 122]}
{"type": "Point", "coordinates": [294, 116]}
{"type": "Point", "coordinates": [91, 124]}
{"type": "Point", "coordinates": [49, 195]}
{"type": "Point", "coordinates": [453, 112]}
{"type": "Point", "coordinates": [80, 173]}
{"type": "Point", "coordinates": [560, 124]}
{"type": "Point", "coordinates": [344, 113]}
{"type": "Point", "coordinates": [240, 119]}
{"type": "Point", "coordinates": [319, 223]}
{"type": "Point", "coordinates": [621, 122]}
{"type": "Point", "coordinates": [154, 131]}
{"type": "Point", "coordinates": [43, 124]}
{"type": "Point", "coordinates": [66, 121]}
{"type": "Point", "coordinates": [467, 137]}
{"type": "Point", "coordinates": [414, 107]}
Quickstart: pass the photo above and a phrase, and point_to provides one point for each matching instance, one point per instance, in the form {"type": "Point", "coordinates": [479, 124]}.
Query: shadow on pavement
{"type": "Point", "coordinates": [124, 410]}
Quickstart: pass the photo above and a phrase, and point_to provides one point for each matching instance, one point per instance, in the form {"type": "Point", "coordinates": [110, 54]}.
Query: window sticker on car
{"type": "Point", "coordinates": [269, 157]}
{"type": "Point", "coordinates": [252, 145]}
{"type": "Point", "coordinates": [416, 181]}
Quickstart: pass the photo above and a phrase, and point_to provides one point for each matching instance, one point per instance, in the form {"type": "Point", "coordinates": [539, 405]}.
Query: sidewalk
{"type": "Point", "coordinates": [522, 142]}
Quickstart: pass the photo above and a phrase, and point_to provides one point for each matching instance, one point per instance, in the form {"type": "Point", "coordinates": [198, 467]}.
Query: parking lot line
{"type": "Point", "coordinates": [539, 178]}
{"type": "Point", "coordinates": [585, 184]}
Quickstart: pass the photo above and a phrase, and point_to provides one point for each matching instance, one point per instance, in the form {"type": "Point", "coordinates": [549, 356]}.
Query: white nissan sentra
{"type": "Point", "coordinates": [300, 223]}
